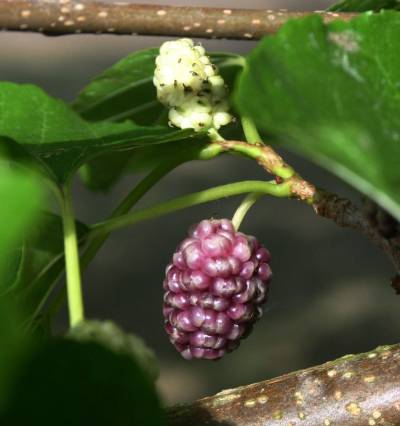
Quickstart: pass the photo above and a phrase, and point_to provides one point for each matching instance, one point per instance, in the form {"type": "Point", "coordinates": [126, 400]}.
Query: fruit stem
{"type": "Point", "coordinates": [252, 137]}
{"type": "Point", "coordinates": [250, 130]}
{"type": "Point", "coordinates": [74, 290]}
{"type": "Point", "coordinates": [216, 193]}
{"type": "Point", "coordinates": [244, 207]}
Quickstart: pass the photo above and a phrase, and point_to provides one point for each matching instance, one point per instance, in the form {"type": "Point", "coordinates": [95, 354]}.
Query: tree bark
{"type": "Point", "coordinates": [75, 17]}
{"type": "Point", "coordinates": [356, 390]}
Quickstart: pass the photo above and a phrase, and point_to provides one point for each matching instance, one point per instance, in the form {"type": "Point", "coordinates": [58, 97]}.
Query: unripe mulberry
{"type": "Point", "coordinates": [191, 87]}
{"type": "Point", "coordinates": [214, 289]}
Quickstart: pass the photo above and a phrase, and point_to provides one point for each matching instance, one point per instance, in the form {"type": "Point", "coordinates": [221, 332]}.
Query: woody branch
{"type": "Point", "coordinates": [75, 17]}
{"type": "Point", "coordinates": [355, 390]}
{"type": "Point", "coordinates": [370, 220]}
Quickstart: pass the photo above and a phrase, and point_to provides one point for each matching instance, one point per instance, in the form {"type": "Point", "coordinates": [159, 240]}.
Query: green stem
{"type": "Point", "coordinates": [264, 155]}
{"type": "Point", "coordinates": [127, 203]}
{"type": "Point", "coordinates": [252, 136]}
{"type": "Point", "coordinates": [244, 207]}
{"type": "Point", "coordinates": [223, 191]}
{"type": "Point", "coordinates": [214, 135]}
{"type": "Point", "coordinates": [250, 130]}
{"type": "Point", "coordinates": [74, 290]}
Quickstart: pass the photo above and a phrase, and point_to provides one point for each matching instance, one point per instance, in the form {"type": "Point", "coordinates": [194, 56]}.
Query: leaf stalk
{"type": "Point", "coordinates": [72, 264]}
{"type": "Point", "coordinates": [212, 194]}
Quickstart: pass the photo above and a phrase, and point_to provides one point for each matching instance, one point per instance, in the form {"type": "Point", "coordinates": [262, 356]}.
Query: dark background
{"type": "Point", "coordinates": [331, 291]}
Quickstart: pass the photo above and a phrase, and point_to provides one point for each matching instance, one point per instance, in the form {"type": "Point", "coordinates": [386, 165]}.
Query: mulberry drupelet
{"type": "Point", "coordinates": [214, 289]}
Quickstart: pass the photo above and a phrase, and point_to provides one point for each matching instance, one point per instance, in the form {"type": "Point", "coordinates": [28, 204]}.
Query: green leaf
{"type": "Point", "coordinates": [40, 250]}
{"type": "Point", "coordinates": [11, 151]}
{"type": "Point", "coordinates": [364, 5]}
{"type": "Point", "coordinates": [21, 196]}
{"type": "Point", "coordinates": [44, 247]}
{"type": "Point", "coordinates": [48, 236]}
{"type": "Point", "coordinates": [333, 93]}
{"type": "Point", "coordinates": [114, 338]}
{"type": "Point", "coordinates": [14, 347]}
{"type": "Point", "coordinates": [105, 170]}
{"type": "Point", "coordinates": [124, 91]}
{"type": "Point", "coordinates": [69, 383]}
{"type": "Point", "coordinates": [59, 138]}
{"type": "Point", "coordinates": [13, 268]}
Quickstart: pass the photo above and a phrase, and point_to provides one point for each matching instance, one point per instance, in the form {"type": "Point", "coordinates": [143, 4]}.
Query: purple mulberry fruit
{"type": "Point", "coordinates": [214, 289]}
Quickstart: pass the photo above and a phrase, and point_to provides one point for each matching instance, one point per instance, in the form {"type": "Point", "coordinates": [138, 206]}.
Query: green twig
{"type": "Point", "coordinates": [126, 204]}
{"type": "Point", "coordinates": [252, 136]}
{"type": "Point", "coordinates": [74, 290]}
{"type": "Point", "coordinates": [267, 157]}
{"type": "Point", "coordinates": [250, 131]}
{"type": "Point", "coordinates": [223, 191]}
{"type": "Point", "coordinates": [214, 135]}
{"type": "Point", "coordinates": [263, 154]}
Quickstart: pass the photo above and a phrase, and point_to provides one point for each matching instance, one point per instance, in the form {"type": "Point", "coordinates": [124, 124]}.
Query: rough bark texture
{"type": "Point", "coordinates": [74, 17]}
{"type": "Point", "coordinates": [356, 390]}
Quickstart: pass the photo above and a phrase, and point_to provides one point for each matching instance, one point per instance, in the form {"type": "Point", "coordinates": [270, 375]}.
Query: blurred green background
{"type": "Point", "coordinates": [331, 291]}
